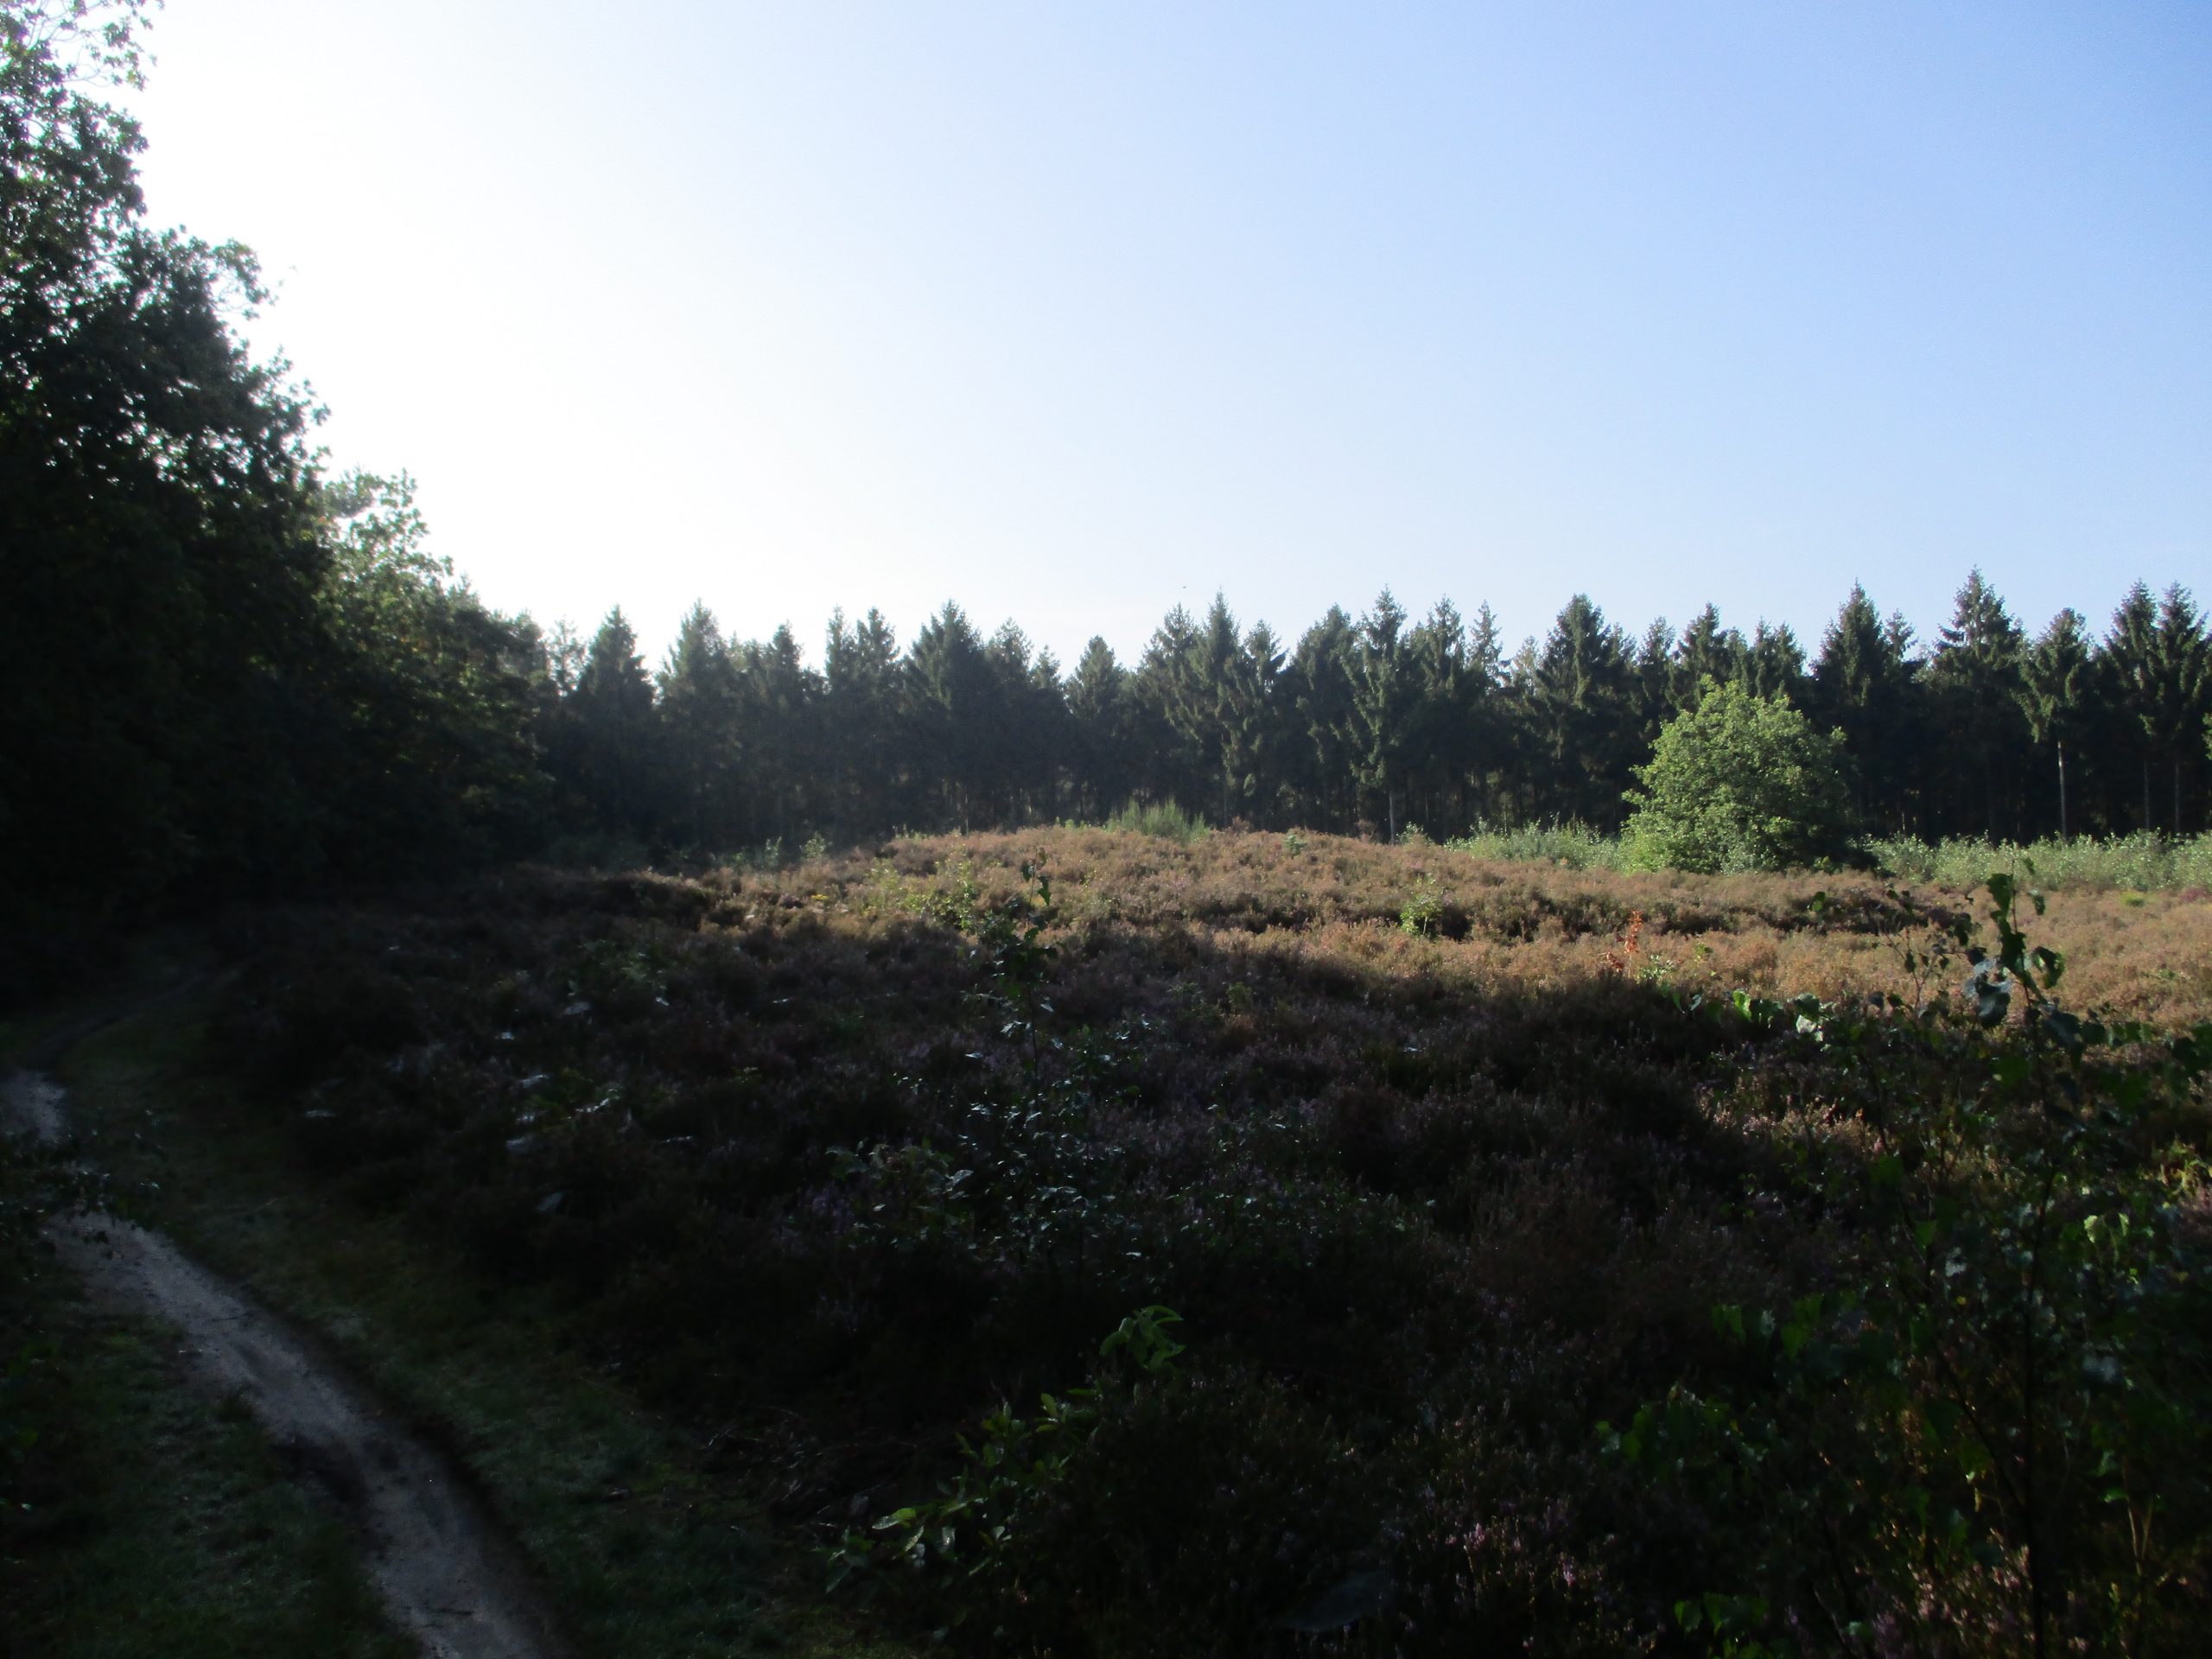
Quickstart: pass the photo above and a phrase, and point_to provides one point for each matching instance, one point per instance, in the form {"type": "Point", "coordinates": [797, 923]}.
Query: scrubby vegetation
{"type": "Point", "coordinates": [1569, 846]}
{"type": "Point", "coordinates": [2140, 863]}
{"type": "Point", "coordinates": [1071, 1226]}
{"type": "Point", "coordinates": [1164, 819]}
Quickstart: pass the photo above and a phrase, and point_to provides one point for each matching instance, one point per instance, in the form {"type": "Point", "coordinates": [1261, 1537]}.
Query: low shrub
{"type": "Point", "coordinates": [1162, 818]}
{"type": "Point", "coordinates": [1567, 845]}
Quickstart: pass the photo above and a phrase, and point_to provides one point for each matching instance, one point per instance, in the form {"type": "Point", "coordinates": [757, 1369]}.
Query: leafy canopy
{"type": "Point", "coordinates": [1740, 782]}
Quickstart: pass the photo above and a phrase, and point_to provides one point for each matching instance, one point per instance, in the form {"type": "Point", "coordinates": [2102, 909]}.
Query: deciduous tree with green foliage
{"type": "Point", "coordinates": [156, 507]}
{"type": "Point", "coordinates": [429, 699]}
{"type": "Point", "coordinates": [1741, 782]}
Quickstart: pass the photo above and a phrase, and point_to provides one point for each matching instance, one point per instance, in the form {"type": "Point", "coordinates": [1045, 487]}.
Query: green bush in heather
{"type": "Point", "coordinates": [1740, 782]}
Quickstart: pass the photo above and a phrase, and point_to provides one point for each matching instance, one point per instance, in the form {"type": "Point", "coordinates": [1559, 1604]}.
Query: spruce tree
{"type": "Point", "coordinates": [1489, 732]}
{"type": "Point", "coordinates": [698, 708]}
{"type": "Point", "coordinates": [1173, 761]}
{"type": "Point", "coordinates": [947, 689]}
{"type": "Point", "coordinates": [1975, 676]}
{"type": "Point", "coordinates": [1444, 698]}
{"type": "Point", "coordinates": [778, 698]}
{"type": "Point", "coordinates": [1862, 683]}
{"type": "Point", "coordinates": [2055, 677]}
{"type": "Point", "coordinates": [1707, 652]}
{"type": "Point", "coordinates": [612, 712]}
{"type": "Point", "coordinates": [1098, 706]}
{"type": "Point", "coordinates": [1378, 711]}
{"type": "Point", "coordinates": [1319, 688]}
{"type": "Point", "coordinates": [1262, 736]}
{"type": "Point", "coordinates": [1653, 678]}
{"type": "Point", "coordinates": [1577, 694]}
{"type": "Point", "coordinates": [1204, 695]}
{"type": "Point", "coordinates": [860, 719]}
{"type": "Point", "coordinates": [2131, 660]}
{"type": "Point", "coordinates": [1774, 664]}
{"type": "Point", "coordinates": [2181, 676]}
{"type": "Point", "coordinates": [1051, 735]}
{"type": "Point", "coordinates": [1019, 754]}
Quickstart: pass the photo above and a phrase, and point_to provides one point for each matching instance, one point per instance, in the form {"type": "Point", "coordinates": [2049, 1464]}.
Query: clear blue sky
{"type": "Point", "coordinates": [1072, 313]}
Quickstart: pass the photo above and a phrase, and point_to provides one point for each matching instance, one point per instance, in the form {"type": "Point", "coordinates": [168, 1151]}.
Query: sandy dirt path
{"type": "Point", "coordinates": [446, 1575]}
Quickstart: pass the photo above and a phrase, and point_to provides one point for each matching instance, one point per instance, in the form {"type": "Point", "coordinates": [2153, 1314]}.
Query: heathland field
{"type": "Point", "coordinates": [1090, 1243]}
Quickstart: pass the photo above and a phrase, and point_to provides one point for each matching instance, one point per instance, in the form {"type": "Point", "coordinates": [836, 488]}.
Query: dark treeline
{"type": "Point", "coordinates": [1367, 723]}
{"type": "Point", "coordinates": [222, 671]}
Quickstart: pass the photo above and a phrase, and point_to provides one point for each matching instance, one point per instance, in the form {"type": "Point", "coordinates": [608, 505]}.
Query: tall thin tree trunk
{"type": "Point", "coordinates": [2063, 835]}
{"type": "Point", "coordinates": [2147, 825]}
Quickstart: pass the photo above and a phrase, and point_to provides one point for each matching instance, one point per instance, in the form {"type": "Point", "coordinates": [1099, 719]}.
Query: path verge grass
{"type": "Point", "coordinates": [645, 1551]}
{"type": "Point", "coordinates": [146, 1521]}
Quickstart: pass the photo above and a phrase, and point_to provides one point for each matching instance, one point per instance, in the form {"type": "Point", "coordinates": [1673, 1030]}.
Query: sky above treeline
{"type": "Point", "coordinates": [1072, 313]}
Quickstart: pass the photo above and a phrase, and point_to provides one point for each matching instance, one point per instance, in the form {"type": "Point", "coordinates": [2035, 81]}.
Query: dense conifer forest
{"type": "Point", "coordinates": [1367, 724]}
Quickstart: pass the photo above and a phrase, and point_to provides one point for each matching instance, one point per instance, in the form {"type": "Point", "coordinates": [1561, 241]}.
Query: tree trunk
{"type": "Point", "coordinates": [2062, 789]}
